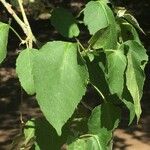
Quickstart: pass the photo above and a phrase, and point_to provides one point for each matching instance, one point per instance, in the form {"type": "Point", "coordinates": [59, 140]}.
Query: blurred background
{"type": "Point", "coordinates": [135, 137]}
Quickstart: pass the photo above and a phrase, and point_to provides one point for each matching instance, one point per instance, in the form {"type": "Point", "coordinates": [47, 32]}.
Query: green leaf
{"type": "Point", "coordinates": [116, 64]}
{"type": "Point", "coordinates": [60, 78]}
{"type": "Point", "coordinates": [133, 21]}
{"type": "Point", "coordinates": [86, 143]}
{"type": "Point", "coordinates": [128, 32]}
{"type": "Point", "coordinates": [128, 101]}
{"type": "Point", "coordinates": [24, 67]}
{"type": "Point", "coordinates": [4, 30]}
{"type": "Point", "coordinates": [29, 129]}
{"type": "Point", "coordinates": [135, 77]}
{"type": "Point", "coordinates": [46, 136]}
{"type": "Point", "coordinates": [101, 39]}
{"type": "Point", "coordinates": [96, 71]}
{"type": "Point", "coordinates": [131, 109]}
{"type": "Point", "coordinates": [102, 27]}
{"type": "Point", "coordinates": [64, 22]}
{"type": "Point", "coordinates": [105, 1]}
{"type": "Point", "coordinates": [103, 120]}
{"type": "Point", "coordinates": [90, 56]}
{"type": "Point", "coordinates": [95, 16]}
{"type": "Point", "coordinates": [29, 133]}
{"type": "Point", "coordinates": [106, 116]}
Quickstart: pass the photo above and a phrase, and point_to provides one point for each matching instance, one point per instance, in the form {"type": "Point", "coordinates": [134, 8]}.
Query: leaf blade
{"type": "Point", "coordinates": [4, 30]}
{"type": "Point", "coordinates": [116, 65]}
{"type": "Point", "coordinates": [86, 143]}
{"type": "Point", "coordinates": [58, 66]}
{"type": "Point", "coordinates": [95, 9]}
{"type": "Point", "coordinates": [135, 76]}
{"type": "Point", "coordinates": [24, 67]}
{"type": "Point", "coordinates": [133, 21]}
{"type": "Point", "coordinates": [65, 23]}
{"type": "Point", "coordinates": [103, 28]}
{"type": "Point", "coordinates": [103, 120]}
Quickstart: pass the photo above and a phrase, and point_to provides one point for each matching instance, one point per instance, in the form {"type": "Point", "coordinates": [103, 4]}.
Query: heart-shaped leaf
{"type": "Point", "coordinates": [60, 78]}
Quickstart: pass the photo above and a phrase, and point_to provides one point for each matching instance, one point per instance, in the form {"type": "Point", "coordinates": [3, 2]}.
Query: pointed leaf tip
{"type": "Point", "coordinates": [60, 81]}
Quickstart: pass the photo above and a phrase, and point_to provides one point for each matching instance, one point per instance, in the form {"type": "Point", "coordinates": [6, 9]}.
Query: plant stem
{"type": "Point", "coordinates": [16, 33]}
{"type": "Point", "coordinates": [20, 2]}
{"type": "Point", "coordinates": [109, 50]}
{"type": "Point", "coordinates": [30, 37]}
{"type": "Point", "coordinates": [14, 15]}
{"type": "Point", "coordinates": [86, 106]}
{"type": "Point", "coordinates": [100, 93]}
{"type": "Point", "coordinates": [80, 45]}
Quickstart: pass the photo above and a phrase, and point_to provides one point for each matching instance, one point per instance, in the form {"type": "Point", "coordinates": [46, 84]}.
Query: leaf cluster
{"type": "Point", "coordinates": [58, 73]}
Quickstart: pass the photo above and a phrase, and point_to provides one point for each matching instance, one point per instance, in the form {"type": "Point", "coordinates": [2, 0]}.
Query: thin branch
{"type": "Point", "coordinates": [30, 36]}
{"type": "Point", "coordinates": [100, 93]}
{"type": "Point", "coordinates": [16, 33]}
{"type": "Point", "coordinates": [80, 45]}
{"type": "Point", "coordinates": [24, 25]}
{"type": "Point", "coordinates": [20, 2]}
{"type": "Point", "coordinates": [14, 15]}
{"type": "Point", "coordinates": [86, 106]}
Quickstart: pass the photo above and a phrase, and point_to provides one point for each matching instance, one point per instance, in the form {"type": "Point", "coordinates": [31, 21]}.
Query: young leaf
{"type": "Point", "coordinates": [135, 77]}
{"type": "Point", "coordinates": [60, 81]}
{"type": "Point", "coordinates": [64, 22]}
{"type": "Point", "coordinates": [24, 67]}
{"type": "Point", "coordinates": [4, 30]}
{"type": "Point", "coordinates": [102, 27]}
{"type": "Point", "coordinates": [116, 64]}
